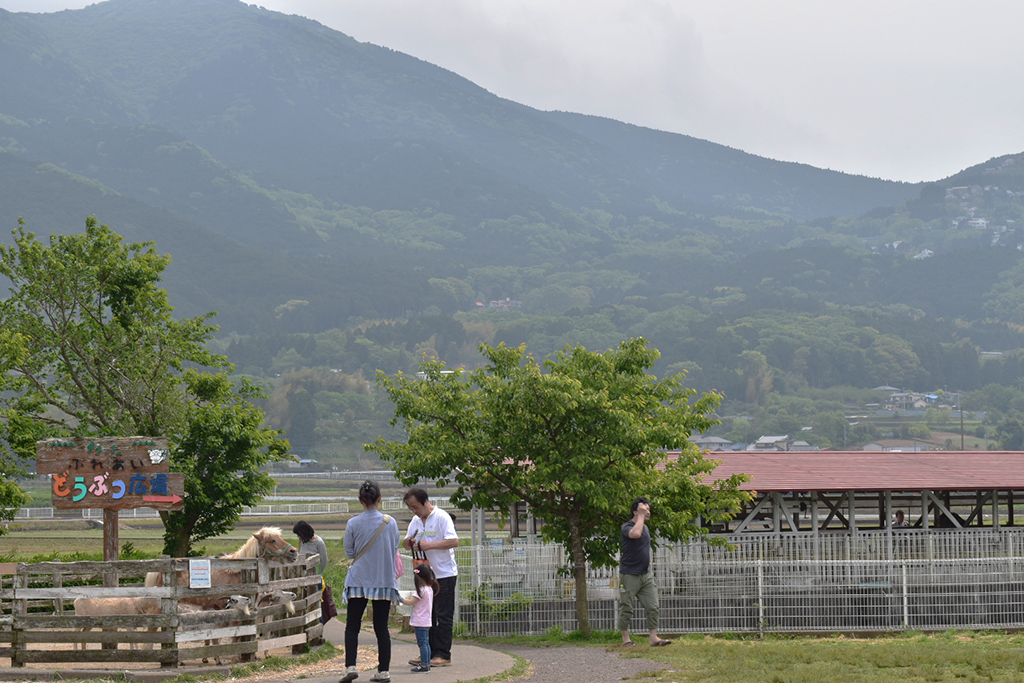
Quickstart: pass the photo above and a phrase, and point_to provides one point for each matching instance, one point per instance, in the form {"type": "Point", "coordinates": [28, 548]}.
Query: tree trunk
{"type": "Point", "coordinates": [579, 574]}
{"type": "Point", "coordinates": [181, 535]}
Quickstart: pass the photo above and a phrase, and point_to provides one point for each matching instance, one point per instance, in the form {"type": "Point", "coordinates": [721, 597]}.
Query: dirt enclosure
{"type": "Point", "coordinates": [39, 625]}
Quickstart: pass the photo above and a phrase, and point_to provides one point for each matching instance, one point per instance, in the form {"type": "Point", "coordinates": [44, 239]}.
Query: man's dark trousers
{"type": "Point", "coordinates": [443, 619]}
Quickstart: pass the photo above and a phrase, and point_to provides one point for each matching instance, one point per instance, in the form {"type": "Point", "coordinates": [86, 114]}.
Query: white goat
{"type": "Point", "coordinates": [232, 602]}
{"type": "Point", "coordinates": [272, 599]}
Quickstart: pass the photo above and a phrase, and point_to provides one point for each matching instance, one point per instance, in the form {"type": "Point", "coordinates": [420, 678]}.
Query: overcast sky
{"type": "Point", "coordinates": [899, 89]}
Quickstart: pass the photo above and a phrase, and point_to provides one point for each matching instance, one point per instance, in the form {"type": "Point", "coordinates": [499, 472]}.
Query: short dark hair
{"type": "Point", "coordinates": [416, 492]}
{"type": "Point", "coordinates": [304, 531]}
{"type": "Point", "coordinates": [369, 492]}
{"type": "Point", "coordinates": [636, 504]}
{"type": "Point", "coordinates": [899, 512]}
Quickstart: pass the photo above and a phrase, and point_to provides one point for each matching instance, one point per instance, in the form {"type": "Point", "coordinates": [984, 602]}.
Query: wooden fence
{"type": "Point", "coordinates": [38, 623]}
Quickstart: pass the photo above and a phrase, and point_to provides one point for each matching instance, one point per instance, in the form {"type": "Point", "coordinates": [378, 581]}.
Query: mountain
{"type": "Point", "coordinates": [308, 109]}
{"type": "Point", "coordinates": [304, 179]}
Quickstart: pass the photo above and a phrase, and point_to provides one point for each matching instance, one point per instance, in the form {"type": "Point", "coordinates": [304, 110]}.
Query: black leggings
{"type": "Point", "coordinates": [353, 620]}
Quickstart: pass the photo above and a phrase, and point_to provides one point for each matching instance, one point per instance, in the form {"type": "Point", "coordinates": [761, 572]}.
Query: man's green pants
{"type": "Point", "coordinates": [631, 587]}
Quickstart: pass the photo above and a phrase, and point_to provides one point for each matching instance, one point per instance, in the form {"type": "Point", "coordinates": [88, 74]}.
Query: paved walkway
{"type": "Point", "coordinates": [468, 661]}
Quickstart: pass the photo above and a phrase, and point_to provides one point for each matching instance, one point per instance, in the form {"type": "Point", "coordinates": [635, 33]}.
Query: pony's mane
{"type": "Point", "coordinates": [251, 548]}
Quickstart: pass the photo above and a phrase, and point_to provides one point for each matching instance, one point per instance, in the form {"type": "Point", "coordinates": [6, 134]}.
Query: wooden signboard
{"type": "Point", "coordinates": [114, 473]}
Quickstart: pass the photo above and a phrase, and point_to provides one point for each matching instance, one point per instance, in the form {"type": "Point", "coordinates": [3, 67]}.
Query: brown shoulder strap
{"type": "Point", "coordinates": [384, 523]}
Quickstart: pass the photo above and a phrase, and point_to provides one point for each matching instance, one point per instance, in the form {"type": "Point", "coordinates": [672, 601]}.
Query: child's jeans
{"type": "Point", "coordinates": [423, 640]}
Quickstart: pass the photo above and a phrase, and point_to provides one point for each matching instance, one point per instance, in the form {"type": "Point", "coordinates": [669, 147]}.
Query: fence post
{"type": "Point", "coordinates": [906, 610]}
{"type": "Point", "coordinates": [18, 608]}
{"type": "Point", "coordinates": [476, 586]}
{"type": "Point", "coordinates": [760, 597]}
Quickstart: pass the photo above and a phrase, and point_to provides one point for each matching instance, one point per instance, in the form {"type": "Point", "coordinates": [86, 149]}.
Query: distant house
{"type": "Point", "coordinates": [505, 304]}
{"type": "Point", "coordinates": [301, 463]}
{"type": "Point", "coordinates": [897, 446]}
{"type": "Point", "coordinates": [802, 446]}
{"type": "Point", "coordinates": [772, 443]}
{"type": "Point", "coordinates": [923, 254]}
{"type": "Point", "coordinates": [712, 443]}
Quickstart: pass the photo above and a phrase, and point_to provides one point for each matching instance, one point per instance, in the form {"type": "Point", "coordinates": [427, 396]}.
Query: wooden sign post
{"type": "Point", "coordinates": [111, 473]}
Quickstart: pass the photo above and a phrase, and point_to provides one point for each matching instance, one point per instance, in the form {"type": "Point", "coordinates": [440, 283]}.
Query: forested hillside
{"type": "Point", "coordinates": [346, 208]}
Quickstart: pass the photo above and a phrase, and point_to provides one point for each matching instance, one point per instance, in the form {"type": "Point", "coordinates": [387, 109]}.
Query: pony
{"type": "Point", "coordinates": [268, 543]}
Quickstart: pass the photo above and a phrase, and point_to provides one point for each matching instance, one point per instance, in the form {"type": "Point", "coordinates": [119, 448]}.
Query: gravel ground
{"type": "Point", "coordinates": [570, 664]}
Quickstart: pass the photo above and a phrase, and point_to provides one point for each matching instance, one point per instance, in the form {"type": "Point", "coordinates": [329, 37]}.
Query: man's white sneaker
{"type": "Point", "coordinates": [351, 674]}
{"type": "Point", "coordinates": [381, 676]}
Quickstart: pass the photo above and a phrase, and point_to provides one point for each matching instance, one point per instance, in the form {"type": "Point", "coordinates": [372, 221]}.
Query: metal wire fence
{"type": "Point", "coordinates": [933, 580]}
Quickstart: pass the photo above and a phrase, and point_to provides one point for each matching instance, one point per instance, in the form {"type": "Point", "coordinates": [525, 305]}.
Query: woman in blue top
{"type": "Point", "coordinates": [372, 541]}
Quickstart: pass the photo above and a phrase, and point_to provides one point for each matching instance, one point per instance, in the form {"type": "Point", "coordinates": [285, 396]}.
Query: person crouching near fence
{"type": "Point", "coordinates": [422, 606]}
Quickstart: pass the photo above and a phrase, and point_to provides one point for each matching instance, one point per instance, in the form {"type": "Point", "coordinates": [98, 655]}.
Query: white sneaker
{"type": "Point", "coordinates": [351, 674]}
{"type": "Point", "coordinates": [381, 676]}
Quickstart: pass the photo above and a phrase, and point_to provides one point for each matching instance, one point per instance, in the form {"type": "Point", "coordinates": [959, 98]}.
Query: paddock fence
{"type": "Point", "coordinates": [867, 582]}
{"type": "Point", "coordinates": [288, 510]}
{"type": "Point", "coordinates": [38, 623]}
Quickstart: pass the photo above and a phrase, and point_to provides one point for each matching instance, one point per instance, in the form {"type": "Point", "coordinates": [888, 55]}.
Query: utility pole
{"type": "Point", "coordinates": [960, 406]}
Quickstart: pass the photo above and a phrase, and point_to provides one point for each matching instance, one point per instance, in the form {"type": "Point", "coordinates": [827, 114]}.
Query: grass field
{"type": "Point", "coordinates": [45, 540]}
{"type": "Point", "coordinates": [954, 656]}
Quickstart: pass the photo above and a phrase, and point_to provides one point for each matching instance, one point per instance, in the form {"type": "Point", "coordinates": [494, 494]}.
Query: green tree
{"type": "Point", "coordinates": [577, 437]}
{"type": "Point", "coordinates": [89, 347]}
{"type": "Point", "coordinates": [224, 445]}
{"type": "Point", "coordinates": [1010, 434]}
{"type": "Point", "coordinates": [757, 374]}
{"type": "Point", "coordinates": [832, 429]}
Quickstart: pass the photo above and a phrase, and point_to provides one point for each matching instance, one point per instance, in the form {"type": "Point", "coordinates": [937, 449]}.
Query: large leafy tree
{"type": "Point", "coordinates": [223, 444]}
{"type": "Point", "coordinates": [577, 437]}
{"type": "Point", "coordinates": [89, 347]}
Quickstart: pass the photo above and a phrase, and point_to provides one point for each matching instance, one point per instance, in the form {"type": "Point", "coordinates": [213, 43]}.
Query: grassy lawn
{"type": "Point", "coordinates": [33, 540]}
{"type": "Point", "coordinates": [955, 656]}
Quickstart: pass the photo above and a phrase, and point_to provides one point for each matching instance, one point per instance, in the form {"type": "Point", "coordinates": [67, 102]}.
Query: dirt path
{"type": "Point", "coordinates": [570, 663]}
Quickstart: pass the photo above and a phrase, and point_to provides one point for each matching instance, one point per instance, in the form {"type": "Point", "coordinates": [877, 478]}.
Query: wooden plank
{"type": "Point", "coordinates": [127, 568]}
{"type": "Point", "coordinates": [247, 647]}
{"type": "Point", "coordinates": [124, 637]}
{"type": "Point", "coordinates": [113, 454]}
{"type": "Point", "coordinates": [289, 584]}
{"type": "Point", "coordinates": [72, 592]}
{"type": "Point", "coordinates": [283, 641]}
{"type": "Point", "coordinates": [118, 491]}
{"type": "Point", "coordinates": [31, 622]}
{"type": "Point", "coordinates": [282, 624]}
{"type": "Point", "coordinates": [110, 542]}
{"type": "Point", "coordinates": [104, 656]}
{"type": "Point", "coordinates": [214, 633]}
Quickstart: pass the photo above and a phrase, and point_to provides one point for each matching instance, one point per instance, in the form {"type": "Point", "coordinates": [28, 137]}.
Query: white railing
{"type": "Point", "coordinates": [926, 580]}
{"type": "Point", "coordinates": [34, 513]}
{"type": "Point", "coordinates": [247, 511]}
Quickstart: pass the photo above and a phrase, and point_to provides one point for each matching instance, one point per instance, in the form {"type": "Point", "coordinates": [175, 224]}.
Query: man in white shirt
{"type": "Point", "coordinates": [432, 532]}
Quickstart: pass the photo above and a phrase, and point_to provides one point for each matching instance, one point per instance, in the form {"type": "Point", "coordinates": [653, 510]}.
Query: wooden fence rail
{"type": "Point", "coordinates": [38, 623]}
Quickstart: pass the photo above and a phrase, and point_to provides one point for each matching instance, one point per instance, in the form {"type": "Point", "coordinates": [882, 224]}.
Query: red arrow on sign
{"type": "Point", "coordinates": [173, 500]}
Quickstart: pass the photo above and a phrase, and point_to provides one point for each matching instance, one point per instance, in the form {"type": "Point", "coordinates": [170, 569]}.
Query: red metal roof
{"type": "Point", "coordinates": [831, 471]}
